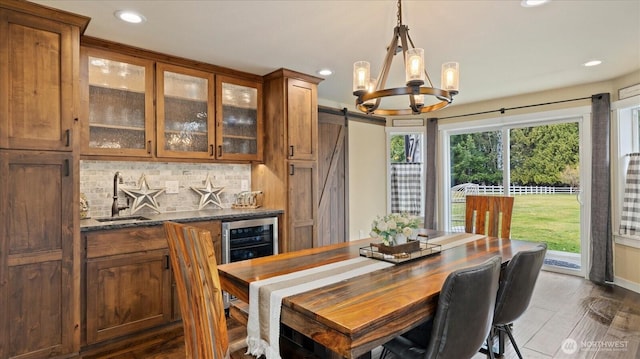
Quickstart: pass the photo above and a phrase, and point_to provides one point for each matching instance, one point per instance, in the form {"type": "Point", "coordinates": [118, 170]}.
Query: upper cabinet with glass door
{"type": "Point", "coordinates": [239, 119]}
{"type": "Point", "coordinates": [185, 127]}
{"type": "Point", "coordinates": [119, 94]}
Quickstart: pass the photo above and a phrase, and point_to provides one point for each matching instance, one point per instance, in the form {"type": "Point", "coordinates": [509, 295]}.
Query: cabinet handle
{"type": "Point", "coordinates": [149, 147]}
{"type": "Point", "coordinates": [219, 150]}
{"type": "Point", "coordinates": [166, 261]}
{"type": "Point", "coordinates": [211, 150]}
{"type": "Point", "coordinates": [68, 135]}
{"type": "Point", "coordinates": [66, 168]}
{"type": "Point", "coordinates": [290, 151]}
{"type": "Point", "coordinates": [292, 170]}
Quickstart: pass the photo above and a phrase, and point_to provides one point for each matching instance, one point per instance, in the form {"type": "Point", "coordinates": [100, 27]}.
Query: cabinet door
{"type": "Point", "coordinates": [117, 97]}
{"type": "Point", "coordinates": [38, 82]}
{"type": "Point", "coordinates": [39, 307]}
{"type": "Point", "coordinates": [127, 293]}
{"type": "Point", "coordinates": [302, 120]}
{"type": "Point", "coordinates": [239, 119]}
{"type": "Point", "coordinates": [185, 123]}
{"type": "Point", "coordinates": [303, 206]}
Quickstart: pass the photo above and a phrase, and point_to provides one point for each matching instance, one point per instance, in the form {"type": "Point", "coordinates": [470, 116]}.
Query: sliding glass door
{"type": "Point", "coordinates": [536, 161]}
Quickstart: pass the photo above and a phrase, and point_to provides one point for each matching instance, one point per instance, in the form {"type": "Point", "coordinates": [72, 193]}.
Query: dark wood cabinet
{"type": "Point", "coordinates": [38, 82]}
{"type": "Point", "coordinates": [127, 293]}
{"type": "Point", "coordinates": [239, 127]}
{"type": "Point", "coordinates": [288, 176]}
{"type": "Point", "coordinates": [39, 187]}
{"type": "Point", "coordinates": [129, 286]}
{"type": "Point", "coordinates": [117, 104]}
{"type": "Point", "coordinates": [39, 292]}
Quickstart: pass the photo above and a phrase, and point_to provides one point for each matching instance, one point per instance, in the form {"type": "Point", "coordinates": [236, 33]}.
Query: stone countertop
{"type": "Point", "coordinates": [91, 224]}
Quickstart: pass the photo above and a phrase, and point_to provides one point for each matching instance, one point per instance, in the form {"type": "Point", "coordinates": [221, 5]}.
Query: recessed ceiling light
{"type": "Point", "coordinates": [592, 63]}
{"type": "Point", "coordinates": [325, 72]}
{"type": "Point", "coordinates": [129, 16]}
{"type": "Point", "coordinates": [533, 3]}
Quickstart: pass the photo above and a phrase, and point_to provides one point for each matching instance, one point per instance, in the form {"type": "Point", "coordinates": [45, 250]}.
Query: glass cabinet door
{"type": "Point", "coordinates": [184, 107]}
{"type": "Point", "coordinates": [120, 104]}
{"type": "Point", "coordinates": [239, 119]}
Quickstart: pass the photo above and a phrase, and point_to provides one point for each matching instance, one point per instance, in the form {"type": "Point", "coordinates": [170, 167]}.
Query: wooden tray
{"type": "Point", "coordinates": [410, 246]}
{"type": "Point", "coordinates": [425, 250]}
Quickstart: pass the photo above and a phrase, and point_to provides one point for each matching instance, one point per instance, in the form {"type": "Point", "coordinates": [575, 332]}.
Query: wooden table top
{"type": "Point", "coordinates": [354, 316]}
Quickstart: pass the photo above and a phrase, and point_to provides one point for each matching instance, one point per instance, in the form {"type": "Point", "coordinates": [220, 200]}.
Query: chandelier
{"type": "Point", "coordinates": [370, 92]}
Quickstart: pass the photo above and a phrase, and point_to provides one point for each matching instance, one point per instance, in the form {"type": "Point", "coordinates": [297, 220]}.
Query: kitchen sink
{"type": "Point", "coordinates": [125, 218]}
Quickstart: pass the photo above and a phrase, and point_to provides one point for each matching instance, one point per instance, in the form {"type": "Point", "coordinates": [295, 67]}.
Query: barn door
{"type": "Point", "coordinates": [333, 211]}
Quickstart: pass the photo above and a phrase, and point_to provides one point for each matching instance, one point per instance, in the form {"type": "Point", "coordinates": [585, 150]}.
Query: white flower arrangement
{"type": "Point", "coordinates": [388, 226]}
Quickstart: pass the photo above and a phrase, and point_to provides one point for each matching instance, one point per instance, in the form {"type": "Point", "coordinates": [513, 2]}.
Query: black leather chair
{"type": "Point", "coordinates": [462, 319]}
{"type": "Point", "coordinates": [514, 293]}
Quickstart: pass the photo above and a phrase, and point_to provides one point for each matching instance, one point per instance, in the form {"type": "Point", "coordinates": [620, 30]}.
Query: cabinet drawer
{"type": "Point", "coordinates": [126, 240]}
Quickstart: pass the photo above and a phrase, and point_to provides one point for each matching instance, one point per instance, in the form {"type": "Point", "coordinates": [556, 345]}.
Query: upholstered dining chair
{"type": "Point", "coordinates": [488, 215]}
{"type": "Point", "coordinates": [198, 285]}
{"type": "Point", "coordinates": [462, 319]}
{"type": "Point", "coordinates": [517, 281]}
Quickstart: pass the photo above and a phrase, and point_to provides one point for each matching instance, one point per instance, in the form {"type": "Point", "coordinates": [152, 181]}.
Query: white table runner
{"type": "Point", "coordinates": [454, 239]}
{"type": "Point", "coordinates": [265, 298]}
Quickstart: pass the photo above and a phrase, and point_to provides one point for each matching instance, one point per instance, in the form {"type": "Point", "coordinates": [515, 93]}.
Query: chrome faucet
{"type": "Point", "coordinates": [115, 208]}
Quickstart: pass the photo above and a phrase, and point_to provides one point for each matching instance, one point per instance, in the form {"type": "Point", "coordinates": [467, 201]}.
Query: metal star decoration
{"type": "Point", "coordinates": [143, 196]}
{"type": "Point", "coordinates": [209, 194]}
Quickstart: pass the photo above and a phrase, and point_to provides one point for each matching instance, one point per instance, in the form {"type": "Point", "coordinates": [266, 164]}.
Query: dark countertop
{"type": "Point", "coordinates": [90, 224]}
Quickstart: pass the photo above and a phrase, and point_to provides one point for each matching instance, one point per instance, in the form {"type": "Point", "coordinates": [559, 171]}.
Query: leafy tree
{"type": "Point", "coordinates": [476, 158]}
{"type": "Point", "coordinates": [397, 149]}
{"type": "Point", "coordinates": [539, 155]}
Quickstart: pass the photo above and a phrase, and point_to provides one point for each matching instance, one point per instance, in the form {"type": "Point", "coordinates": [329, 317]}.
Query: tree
{"type": "Point", "coordinates": [540, 154]}
{"type": "Point", "coordinates": [477, 158]}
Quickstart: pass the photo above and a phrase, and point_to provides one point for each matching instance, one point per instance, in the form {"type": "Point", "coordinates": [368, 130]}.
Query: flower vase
{"type": "Point", "coordinates": [400, 239]}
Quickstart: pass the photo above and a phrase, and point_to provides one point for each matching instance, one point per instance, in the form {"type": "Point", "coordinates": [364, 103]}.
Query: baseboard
{"type": "Point", "coordinates": [627, 284]}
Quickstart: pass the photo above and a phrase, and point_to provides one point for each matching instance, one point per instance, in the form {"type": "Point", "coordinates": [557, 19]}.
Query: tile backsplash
{"type": "Point", "coordinates": [96, 182]}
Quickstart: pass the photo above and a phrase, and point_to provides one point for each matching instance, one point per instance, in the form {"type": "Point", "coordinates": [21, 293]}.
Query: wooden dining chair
{"type": "Point", "coordinates": [198, 285]}
{"type": "Point", "coordinates": [489, 215]}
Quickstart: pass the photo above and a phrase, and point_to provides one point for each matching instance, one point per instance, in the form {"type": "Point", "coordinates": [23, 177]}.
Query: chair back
{"type": "Point", "coordinates": [516, 284]}
{"type": "Point", "coordinates": [489, 215]}
{"type": "Point", "coordinates": [465, 309]}
{"type": "Point", "coordinates": [198, 285]}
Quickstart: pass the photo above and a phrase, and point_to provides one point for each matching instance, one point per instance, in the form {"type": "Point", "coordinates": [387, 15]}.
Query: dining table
{"type": "Point", "coordinates": [353, 316]}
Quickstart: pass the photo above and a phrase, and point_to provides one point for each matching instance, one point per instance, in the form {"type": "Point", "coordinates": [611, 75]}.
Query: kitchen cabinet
{"type": "Point", "coordinates": [129, 286]}
{"type": "Point", "coordinates": [185, 110]}
{"type": "Point", "coordinates": [38, 80]}
{"type": "Point", "coordinates": [239, 127]}
{"type": "Point", "coordinates": [117, 98]}
{"type": "Point", "coordinates": [288, 176]}
{"type": "Point", "coordinates": [39, 186]}
{"type": "Point", "coordinates": [39, 294]}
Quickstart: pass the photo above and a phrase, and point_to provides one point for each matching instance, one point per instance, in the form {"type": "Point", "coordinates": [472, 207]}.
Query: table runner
{"type": "Point", "coordinates": [265, 298]}
{"type": "Point", "coordinates": [454, 239]}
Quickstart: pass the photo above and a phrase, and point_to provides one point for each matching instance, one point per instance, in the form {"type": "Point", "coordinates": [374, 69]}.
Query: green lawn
{"type": "Point", "coordinates": [553, 219]}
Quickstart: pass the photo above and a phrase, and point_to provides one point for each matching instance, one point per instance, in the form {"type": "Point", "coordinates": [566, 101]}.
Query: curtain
{"type": "Point", "coordinates": [630, 220]}
{"type": "Point", "coordinates": [430, 186]}
{"type": "Point", "coordinates": [405, 188]}
{"type": "Point", "coordinates": [600, 234]}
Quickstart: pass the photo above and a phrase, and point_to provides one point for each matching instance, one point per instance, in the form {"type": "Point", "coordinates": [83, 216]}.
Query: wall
{"type": "Point", "coordinates": [96, 182]}
{"type": "Point", "coordinates": [367, 177]}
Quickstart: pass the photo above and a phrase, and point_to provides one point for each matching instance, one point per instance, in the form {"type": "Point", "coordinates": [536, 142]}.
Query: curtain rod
{"type": "Point", "coordinates": [502, 110]}
{"type": "Point", "coordinates": [633, 154]}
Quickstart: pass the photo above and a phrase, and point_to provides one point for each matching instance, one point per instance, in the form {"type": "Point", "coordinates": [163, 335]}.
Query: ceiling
{"type": "Point", "coordinates": [503, 49]}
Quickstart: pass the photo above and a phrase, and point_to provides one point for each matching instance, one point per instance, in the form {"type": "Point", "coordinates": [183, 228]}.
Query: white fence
{"type": "Point", "coordinates": [472, 188]}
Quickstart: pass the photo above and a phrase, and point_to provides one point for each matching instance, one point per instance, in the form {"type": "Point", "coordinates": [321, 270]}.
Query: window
{"type": "Point", "coordinates": [628, 140]}
{"type": "Point", "coordinates": [406, 170]}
